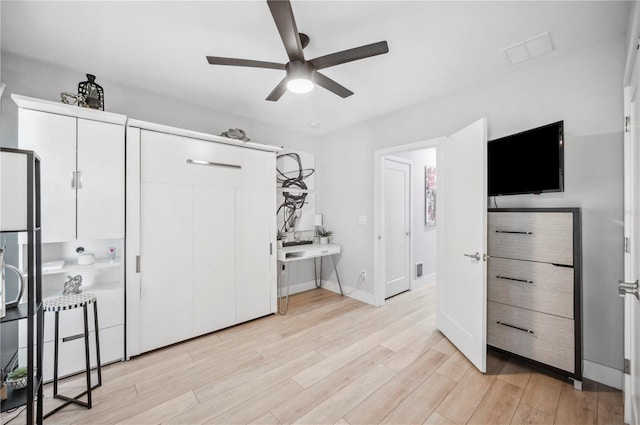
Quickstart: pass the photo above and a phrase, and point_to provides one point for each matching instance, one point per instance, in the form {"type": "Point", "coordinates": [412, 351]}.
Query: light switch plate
{"type": "Point", "coordinates": [362, 219]}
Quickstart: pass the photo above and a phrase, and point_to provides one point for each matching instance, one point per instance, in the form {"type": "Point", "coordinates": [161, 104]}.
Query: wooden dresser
{"type": "Point", "coordinates": [534, 287]}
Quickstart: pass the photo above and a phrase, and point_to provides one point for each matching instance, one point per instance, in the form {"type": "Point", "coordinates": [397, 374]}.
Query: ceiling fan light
{"type": "Point", "coordinates": [300, 85]}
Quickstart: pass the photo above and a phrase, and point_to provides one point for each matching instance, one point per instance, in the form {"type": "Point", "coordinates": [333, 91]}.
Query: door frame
{"type": "Point", "coordinates": [378, 199]}
{"type": "Point", "coordinates": [383, 256]}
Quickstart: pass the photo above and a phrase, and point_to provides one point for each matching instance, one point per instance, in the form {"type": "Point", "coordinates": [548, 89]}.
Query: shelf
{"type": "Point", "coordinates": [73, 267]}
{"type": "Point", "coordinates": [17, 398]}
{"type": "Point", "coordinates": [95, 289]}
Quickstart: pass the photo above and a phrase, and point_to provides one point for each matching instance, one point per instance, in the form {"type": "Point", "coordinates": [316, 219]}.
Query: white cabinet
{"type": "Point", "coordinates": [82, 154]}
{"type": "Point", "coordinates": [203, 226]}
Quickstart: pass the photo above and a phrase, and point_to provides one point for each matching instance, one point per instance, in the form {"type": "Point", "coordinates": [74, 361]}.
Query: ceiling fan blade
{"type": "Point", "coordinates": [215, 60]}
{"type": "Point", "coordinates": [286, 24]}
{"type": "Point", "coordinates": [280, 89]}
{"type": "Point", "coordinates": [350, 55]}
{"type": "Point", "coordinates": [332, 86]}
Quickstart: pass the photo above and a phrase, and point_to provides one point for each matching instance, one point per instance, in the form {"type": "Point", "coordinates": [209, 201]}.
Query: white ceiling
{"type": "Point", "coordinates": [435, 48]}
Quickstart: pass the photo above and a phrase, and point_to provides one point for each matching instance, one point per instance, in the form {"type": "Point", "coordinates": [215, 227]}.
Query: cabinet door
{"type": "Point", "coordinates": [214, 262]}
{"type": "Point", "coordinates": [101, 194]}
{"type": "Point", "coordinates": [53, 138]}
{"type": "Point", "coordinates": [166, 302]}
{"type": "Point", "coordinates": [253, 254]}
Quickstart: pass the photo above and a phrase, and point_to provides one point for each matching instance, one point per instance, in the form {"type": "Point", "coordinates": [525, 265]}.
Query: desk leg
{"type": "Point", "coordinates": [315, 272]}
{"type": "Point", "coordinates": [283, 272]}
{"type": "Point", "coordinates": [337, 275]}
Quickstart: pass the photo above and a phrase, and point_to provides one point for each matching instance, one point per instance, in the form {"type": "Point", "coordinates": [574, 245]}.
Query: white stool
{"type": "Point", "coordinates": [69, 302]}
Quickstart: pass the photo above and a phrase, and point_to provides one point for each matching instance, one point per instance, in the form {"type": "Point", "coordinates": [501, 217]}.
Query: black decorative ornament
{"type": "Point", "coordinates": [92, 92]}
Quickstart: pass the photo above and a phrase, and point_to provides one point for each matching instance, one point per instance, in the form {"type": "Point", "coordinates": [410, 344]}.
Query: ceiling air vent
{"type": "Point", "coordinates": [529, 49]}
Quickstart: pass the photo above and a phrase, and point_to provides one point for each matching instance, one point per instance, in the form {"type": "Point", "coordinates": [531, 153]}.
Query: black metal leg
{"type": "Point", "coordinates": [55, 354]}
{"type": "Point", "coordinates": [86, 354]}
{"type": "Point", "coordinates": [333, 260]}
{"type": "Point", "coordinates": [99, 363]}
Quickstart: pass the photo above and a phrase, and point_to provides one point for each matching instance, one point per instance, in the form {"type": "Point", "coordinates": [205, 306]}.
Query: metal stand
{"type": "Point", "coordinates": [65, 303]}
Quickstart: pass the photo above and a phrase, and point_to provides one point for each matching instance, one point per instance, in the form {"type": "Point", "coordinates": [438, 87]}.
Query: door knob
{"type": "Point", "coordinates": [625, 288]}
{"type": "Point", "coordinates": [475, 256]}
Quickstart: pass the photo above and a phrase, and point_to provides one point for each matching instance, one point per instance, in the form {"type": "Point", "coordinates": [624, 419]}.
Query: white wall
{"type": "Point", "coordinates": [423, 238]}
{"type": "Point", "coordinates": [585, 90]}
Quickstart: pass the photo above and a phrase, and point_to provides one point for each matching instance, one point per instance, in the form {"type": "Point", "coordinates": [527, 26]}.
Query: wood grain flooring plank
{"type": "Point", "coordinates": [455, 367]}
{"type": "Point", "coordinates": [266, 419]}
{"type": "Point", "coordinates": [465, 397]}
{"type": "Point", "coordinates": [422, 402]}
{"type": "Point", "coordinates": [515, 373]}
{"type": "Point", "coordinates": [438, 419]}
{"type": "Point", "coordinates": [410, 352]}
{"type": "Point", "coordinates": [542, 393]}
{"type": "Point", "coordinates": [578, 407]}
{"type": "Point", "coordinates": [385, 399]}
{"type": "Point", "coordinates": [163, 411]}
{"type": "Point", "coordinates": [527, 415]}
{"type": "Point", "coordinates": [610, 406]}
{"type": "Point", "coordinates": [306, 400]}
{"type": "Point", "coordinates": [336, 406]}
{"type": "Point", "coordinates": [498, 405]}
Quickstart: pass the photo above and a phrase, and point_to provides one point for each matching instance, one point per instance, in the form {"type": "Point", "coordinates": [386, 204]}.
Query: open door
{"type": "Point", "coordinates": [461, 217]}
{"type": "Point", "coordinates": [629, 287]}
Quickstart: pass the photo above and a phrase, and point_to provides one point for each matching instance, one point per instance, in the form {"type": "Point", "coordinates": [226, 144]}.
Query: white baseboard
{"type": "Point", "coordinates": [359, 294]}
{"type": "Point", "coordinates": [423, 281]}
{"type": "Point", "coordinates": [301, 287]}
{"type": "Point", "coordinates": [603, 374]}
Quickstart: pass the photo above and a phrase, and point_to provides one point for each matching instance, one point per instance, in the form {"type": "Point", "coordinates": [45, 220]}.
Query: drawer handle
{"type": "Point", "coordinates": [530, 282]}
{"type": "Point", "coordinates": [513, 232]}
{"type": "Point", "coordinates": [72, 337]}
{"type": "Point", "coordinates": [212, 164]}
{"type": "Point", "coordinates": [514, 327]}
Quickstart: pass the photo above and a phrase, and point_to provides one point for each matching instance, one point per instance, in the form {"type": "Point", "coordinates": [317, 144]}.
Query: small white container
{"type": "Point", "coordinates": [86, 258]}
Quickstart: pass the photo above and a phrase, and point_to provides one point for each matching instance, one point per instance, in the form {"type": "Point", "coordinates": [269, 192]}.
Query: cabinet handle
{"type": "Point", "coordinates": [530, 282]}
{"type": "Point", "coordinates": [79, 179]}
{"type": "Point", "coordinates": [73, 179]}
{"type": "Point", "coordinates": [72, 337]}
{"type": "Point", "coordinates": [514, 232]}
{"type": "Point", "coordinates": [514, 327]}
{"type": "Point", "coordinates": [212, 164]}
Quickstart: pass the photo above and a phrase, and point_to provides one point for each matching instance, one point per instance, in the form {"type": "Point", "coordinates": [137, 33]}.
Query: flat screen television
{"type": "Point", "coordinates": [527, 162]}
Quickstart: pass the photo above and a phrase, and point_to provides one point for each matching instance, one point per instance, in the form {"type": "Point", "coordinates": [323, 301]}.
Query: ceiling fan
{"type": "Point", "coordinates": [302, 73]}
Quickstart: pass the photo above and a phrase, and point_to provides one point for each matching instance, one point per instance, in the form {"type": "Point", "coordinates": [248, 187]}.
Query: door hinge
{"type": "Point", "coordinates": [627, 366]}
{"type": "Point", "coordinates": [627, 245]}
{"type": "Point", "coordinates": [627, 124]}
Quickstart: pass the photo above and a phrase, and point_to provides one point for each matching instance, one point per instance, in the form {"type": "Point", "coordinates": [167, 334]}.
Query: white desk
{"type": "Point", "coordinates": [304, 252]}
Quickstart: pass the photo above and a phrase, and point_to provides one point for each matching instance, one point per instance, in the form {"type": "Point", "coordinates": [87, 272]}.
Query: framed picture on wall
{"type": "Point", "coordinates": [429, 196]}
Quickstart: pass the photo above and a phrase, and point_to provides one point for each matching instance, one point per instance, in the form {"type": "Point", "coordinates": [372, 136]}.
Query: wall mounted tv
{"type": "Point", "coordinates": [527, 162]}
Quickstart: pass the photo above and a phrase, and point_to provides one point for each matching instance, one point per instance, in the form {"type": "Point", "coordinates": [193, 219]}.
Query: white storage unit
{"type": "Point", "coordinates": [83, 193]}
{"type": "Point", "coordinates": [534, 287]}
{"type": "Point", "coordinates": [201, 230]}
{"type": "Point", "coordinates": [82, 154]}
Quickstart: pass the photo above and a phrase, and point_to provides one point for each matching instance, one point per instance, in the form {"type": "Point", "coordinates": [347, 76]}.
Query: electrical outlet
{"type": "Point", "coordinates": [363, 274]}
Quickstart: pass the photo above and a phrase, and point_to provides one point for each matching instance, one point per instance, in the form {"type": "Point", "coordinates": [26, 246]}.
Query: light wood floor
{"type": "Point", "coordinates": [335, 360]}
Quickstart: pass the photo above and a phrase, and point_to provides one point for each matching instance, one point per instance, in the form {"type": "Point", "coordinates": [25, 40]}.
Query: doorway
{"type": "Point", "coordinates": [407, 257]}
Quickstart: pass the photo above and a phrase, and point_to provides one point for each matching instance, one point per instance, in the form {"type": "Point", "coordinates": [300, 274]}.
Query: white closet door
{"type": "Point", "coordinates": [253, 236]}
{"type": "Point", "coordinates": [101, 194]}
{"type": "Point", "coordinates": [53, 138]}
{"type": "Point", "coordinates": [166, 310]}
{"type": "Point", "coordinates": [214, 296]}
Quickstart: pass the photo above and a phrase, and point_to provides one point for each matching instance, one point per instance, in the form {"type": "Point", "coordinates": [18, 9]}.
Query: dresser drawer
{"type": "Point", "coordinates": [535, 286]}
{"type": "Point", "coordinates": [542, 337]}
{"type": "Point", "coordinates": [545, 237]}
{"type": "Point", "coordinates": [167, 158]}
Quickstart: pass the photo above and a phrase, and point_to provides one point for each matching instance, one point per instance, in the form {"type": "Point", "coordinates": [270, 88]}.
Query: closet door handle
{"type": "Point", "coordinates": [530, 282]}
{"type": "Point", "coordinates": [212, 164]}
{"type": "Point", "coordinates": [73, 179]}
{"type": "Point", "coordinates": [514, 327]}
{"type": "Point", "coordinates": [79, 179]}
{"type": "Point", "coordinates": [514, 232]}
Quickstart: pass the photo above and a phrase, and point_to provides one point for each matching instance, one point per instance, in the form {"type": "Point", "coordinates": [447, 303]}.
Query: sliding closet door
{"type": "Point", "coordinates": [166, 310]}
{"type": "Point", "coordinates": [253, 232]}
{"type": "Point", "coordinates": [214, 224]}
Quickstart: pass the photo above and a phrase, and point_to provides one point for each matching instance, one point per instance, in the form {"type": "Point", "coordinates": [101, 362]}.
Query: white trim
{"type": "Point", "coordinates": [423, 281]}
{"type": "Point", "coordinates": [68, 110]}
{"type": "Point", "coordinates": [603, 374]}
{"type": "Point", "coordinates": [160, 128]}
{"type": "Point", "coordinates": [378, 155]}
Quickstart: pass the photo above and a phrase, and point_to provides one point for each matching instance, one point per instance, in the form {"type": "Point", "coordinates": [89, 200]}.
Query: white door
{"type": "Point", "coordinates": [166, 240]}
{"type": "Point", "coordinates": [631, 255]}
{"type": "Point", "coordinates": [101, 188]}
{"type": "Point", "coordinates": [461, 220]}
{"type": "Point", "coordinates": [396, 201]}
{"type": "Point", "coordinates": [53, 138]}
